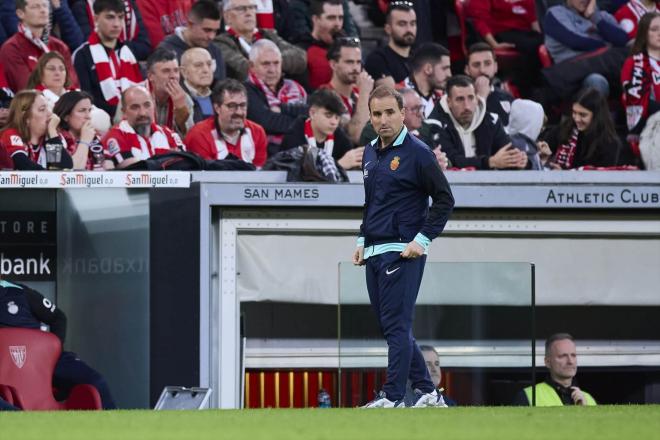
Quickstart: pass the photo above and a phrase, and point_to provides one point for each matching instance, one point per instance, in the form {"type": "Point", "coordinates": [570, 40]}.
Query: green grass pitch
{"type": "Point", "coordinates": [571, 423]}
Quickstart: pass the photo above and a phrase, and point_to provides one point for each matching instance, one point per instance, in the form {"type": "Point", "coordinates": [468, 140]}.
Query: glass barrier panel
{"type": "Point", "coordinates": [477, 317]}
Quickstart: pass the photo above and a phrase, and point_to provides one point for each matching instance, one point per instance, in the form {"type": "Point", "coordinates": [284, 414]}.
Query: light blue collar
{"type": "Point", "coordinates": [4, 283]}
{"type": "Point", "coordinates": [399, 139]}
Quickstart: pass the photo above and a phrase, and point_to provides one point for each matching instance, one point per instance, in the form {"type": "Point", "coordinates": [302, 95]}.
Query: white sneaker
{"type": "Point", "coordinates": [381, 401]}
{"type": "Point", "coordinates": [432, 399]}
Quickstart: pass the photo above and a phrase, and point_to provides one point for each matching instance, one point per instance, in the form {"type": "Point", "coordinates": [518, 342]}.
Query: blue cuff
{"type": "Point", "coordinates": [423, 241]}
{"type": "Point", "coordinates": [360, 242]}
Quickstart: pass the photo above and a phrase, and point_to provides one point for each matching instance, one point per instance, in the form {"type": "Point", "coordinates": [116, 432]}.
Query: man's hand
{"type": "Point", "coordinates": [482, 86]}
{"type": "Point", "coordinates": [442, 159]}
{"type": "Point", "coordinates": [177, 94]}
{"type": "Point", "coordinates": [504, 45]}
{"type": "Point", "coordinates": [352, 159]}
{"type": "Point", "coordinates": [578, 396]}
{"type": "Point", "coordinates": [591, 9]}
{"type": "Point", "coordinates": [506, 157]}
{"type": "Point", "coordinates": [365, 83]}
{"type": "Point", "coordinates": [544, 151]}
{"type": "Point", "coordinates": [358, 256]}
{"type": "Point", "coordinates": [53, 123]}
{"type": "Point", "coordinates": [412, 250]}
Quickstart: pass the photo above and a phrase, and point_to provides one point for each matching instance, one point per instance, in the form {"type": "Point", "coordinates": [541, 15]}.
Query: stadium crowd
{"type": "Point", "coordinates": [104, 84]}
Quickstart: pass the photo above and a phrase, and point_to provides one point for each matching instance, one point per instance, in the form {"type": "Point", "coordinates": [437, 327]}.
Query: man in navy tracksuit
{"type": "Point", "coordinates": [400, 174]}
{"type": "Point", "coordinates": [23, 307]}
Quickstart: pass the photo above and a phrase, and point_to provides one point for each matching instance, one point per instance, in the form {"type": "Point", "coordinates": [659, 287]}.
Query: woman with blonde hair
{"type": "Point", "coordinates": [30, 138]}
{"type": "Point", "coordinates": [50, 77]}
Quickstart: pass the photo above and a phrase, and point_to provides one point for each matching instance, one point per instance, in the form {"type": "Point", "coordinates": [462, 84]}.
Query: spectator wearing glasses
{"type": "Point", "coordinates": [162, 17]}
{"type": "Point", "coordinates": [415, 122]}
{"type": "Point", "coordinates": [106, 66]}
{"type": "Point", "coordinates": [388, 65]}
{"type": "Point", "coordinates": [228, 134]}
{"type": "Point", "coordinates": [241, 32]}
{"type": "Point", "coordinates": [321, 129]}
{"type": "Point", "coordinates": [201, 28]}
{"type": "Point", "coordinates": [137, 137]}
{"type": "Point", "coordinates": [351, 82]}
{"type": "Point", "coordinates": [274, 102]}
{"type": "Point", "coordinates": [197, 69]}
{"type": "Point", "coordinates": [296, 27]}
{"type": "Point", "coordinates": [133, 33]}
{"type": "Point", "coordinates": [21, 52]}
{"type": "Point", "coordinates": [431, 68]}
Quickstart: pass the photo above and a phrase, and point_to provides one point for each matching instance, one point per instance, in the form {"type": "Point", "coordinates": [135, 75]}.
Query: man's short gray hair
{"type": "Point", "coordinates": [261, 46]}
{"type": "Point", "coordinates": [228, 4]}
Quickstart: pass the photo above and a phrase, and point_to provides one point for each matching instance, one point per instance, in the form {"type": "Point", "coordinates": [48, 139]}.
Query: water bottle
{"type": "Point", "coordinates": [96, 150]}
{"type": "Point", "coordinates": [324, 399]}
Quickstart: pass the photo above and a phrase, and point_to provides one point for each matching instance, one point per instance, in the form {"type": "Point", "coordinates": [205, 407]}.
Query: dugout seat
{"type": "Point", "coordinates": [27, 362]}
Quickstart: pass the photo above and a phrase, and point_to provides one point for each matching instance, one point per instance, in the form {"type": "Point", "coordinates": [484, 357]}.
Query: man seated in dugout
{"type": "Point", "coordinates": [560, 387]}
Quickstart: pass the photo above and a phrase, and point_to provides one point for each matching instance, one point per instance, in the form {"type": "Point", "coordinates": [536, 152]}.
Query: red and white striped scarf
{"type": "Point", "coordinates": [158, 142]}
{"type": "Point", "coordinates": [27, 33]}
{"type": "Point", "coordinates": [244, 145]}
{"type": "Point", "coordinates": [566, 152]}
{"type": "Point", "coordinates": [129, 29]}
{"type": "Point", "coordinates": [265, 15]}
{"type": "Point", "coordinates": [245, 45]}
{"type": "Point", "coordinates": [115, 73]}
{"type": "Point", "coordinates": [637, 95]}
{"type": "Point", "coordinates": [329, 144]}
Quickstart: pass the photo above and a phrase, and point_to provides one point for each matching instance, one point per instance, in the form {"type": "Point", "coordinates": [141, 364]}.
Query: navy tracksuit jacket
{"type": "Point", "coordinates": [398, 181]}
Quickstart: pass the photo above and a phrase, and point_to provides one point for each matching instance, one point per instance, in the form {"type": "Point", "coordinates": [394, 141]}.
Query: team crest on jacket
{"type": "Point", "coordinates": [18, 354]}
{"type": "Point", "coordinates": [395, 163]}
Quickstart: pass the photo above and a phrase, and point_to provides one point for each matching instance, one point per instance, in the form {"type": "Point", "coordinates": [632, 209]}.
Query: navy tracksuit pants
{"type": "Point", "coordinates": [393, 284]}
{"type": "Point", "coordinates": [71, 371]}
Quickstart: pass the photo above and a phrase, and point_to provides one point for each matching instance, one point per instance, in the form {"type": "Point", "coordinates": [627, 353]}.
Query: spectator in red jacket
{"type": "Point", "coordinates": [327, 21]}
{"type": "Point", "coordinates": [506, 24]}
{"type": "Point", "coordinates": [21, 52]}
{"type": "Point", "coordinates": [228, 132]}
{"type": "Point", "coordinates": [629, 14]}
{"type": "Point", "coordinates": [161, 17]}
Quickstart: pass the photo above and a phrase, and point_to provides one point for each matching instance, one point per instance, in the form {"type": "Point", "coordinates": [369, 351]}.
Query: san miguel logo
{"type": "Point", "coordinates": [395, 163]}
{"type": "Point", "coordinates": [18, 354]}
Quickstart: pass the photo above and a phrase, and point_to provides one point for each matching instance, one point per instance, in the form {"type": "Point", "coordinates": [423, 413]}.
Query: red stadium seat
{"type": "Point", "coordinates": [27, 362]}
{"type": "Point", "coordinates": [544, 56]}
{"type": "Point", "coordinates": [504, 56]}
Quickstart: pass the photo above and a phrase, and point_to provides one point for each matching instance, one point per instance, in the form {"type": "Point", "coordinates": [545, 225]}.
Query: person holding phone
{"type": "Point", "coordinates": [470, 136]}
